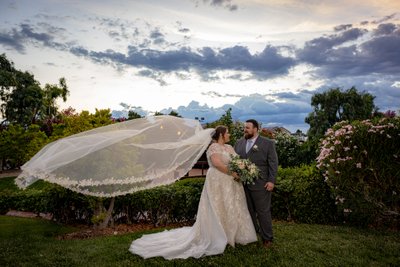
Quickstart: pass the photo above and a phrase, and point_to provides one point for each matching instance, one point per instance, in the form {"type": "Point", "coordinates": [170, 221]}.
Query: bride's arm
{"type": "Point", "coordinates": [219, 164]}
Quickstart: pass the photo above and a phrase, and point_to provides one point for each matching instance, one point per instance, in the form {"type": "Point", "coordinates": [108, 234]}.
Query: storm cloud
{"type": "Point", "coordinates": [338, 55]}
{"type": "Point", "coordinates": [264, 65]}
{"type": "Point", "coordinates": [227, 4]}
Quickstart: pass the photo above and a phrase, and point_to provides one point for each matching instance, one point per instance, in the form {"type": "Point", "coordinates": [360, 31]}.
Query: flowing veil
{"type": "Point", "coordinates": [120, 158]}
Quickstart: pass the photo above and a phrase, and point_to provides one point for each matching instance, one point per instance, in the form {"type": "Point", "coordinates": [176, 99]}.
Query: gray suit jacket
{"type": "Point", "coordinates": [263, 154]}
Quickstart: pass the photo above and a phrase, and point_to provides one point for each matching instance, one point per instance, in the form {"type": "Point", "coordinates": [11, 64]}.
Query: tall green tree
{"type": "Point", "coordinates": [157, 113]}
{"type": "Point", "coordinates": [174, 113]}
{"type": "Point", "coordinates": [336, 105]}
{"type": "Point", "coordinates": [51, 94]}
{"type": "Point", "coordinates": [133, 115]}
{"type": "Point", "coordinates": [225, 119]}
{"type": "Point", "coordinates": [23, 101]}
{"type": "Point", "coordinates": [235, 128]}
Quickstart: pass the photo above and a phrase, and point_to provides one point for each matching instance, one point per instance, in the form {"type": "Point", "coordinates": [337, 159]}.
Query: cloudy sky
{"type": "Point", "coordinates": [263, 58]}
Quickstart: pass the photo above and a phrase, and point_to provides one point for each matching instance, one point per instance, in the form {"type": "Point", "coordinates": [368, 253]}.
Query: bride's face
{"type": "Point", "coordinates": [226, 137]}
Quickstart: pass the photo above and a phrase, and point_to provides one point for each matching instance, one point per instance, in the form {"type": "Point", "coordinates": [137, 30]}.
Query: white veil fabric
{"type": "Point", "coordinates": [120, 158]}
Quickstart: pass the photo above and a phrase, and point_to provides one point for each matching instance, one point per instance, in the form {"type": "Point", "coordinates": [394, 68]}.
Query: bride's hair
{"type": "Point", "coordinates": [219, 130]}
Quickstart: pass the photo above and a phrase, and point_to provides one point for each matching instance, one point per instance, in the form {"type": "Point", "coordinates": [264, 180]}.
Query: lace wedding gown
{"type": "Point", "coordinates": [222, 218]}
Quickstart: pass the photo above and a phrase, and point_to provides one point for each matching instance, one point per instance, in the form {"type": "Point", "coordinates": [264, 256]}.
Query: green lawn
{"type": "Point", "coordinates": [32, 242]}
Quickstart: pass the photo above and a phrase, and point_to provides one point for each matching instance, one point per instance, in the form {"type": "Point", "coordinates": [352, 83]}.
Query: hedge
{"type": "Point", "coordinates": [300, 195]}
{"type": "Point", "coordinates": [161, 205]}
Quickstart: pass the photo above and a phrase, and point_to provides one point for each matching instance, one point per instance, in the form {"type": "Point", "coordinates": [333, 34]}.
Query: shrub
{"type": "Point", "coordinates": [18, 145]}
{"type": "Point", "coordinates": [288, 150]}
{"type": "Point", "coordinates": [177, 202]}
{"type": "Point", "coordinates": [302, 195]}
{"type": "Point", "coordinates": [361, 163]}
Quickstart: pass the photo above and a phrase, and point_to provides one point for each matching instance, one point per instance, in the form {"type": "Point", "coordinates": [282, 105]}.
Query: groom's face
{"type": "Point", "coordinates": [249, 130]}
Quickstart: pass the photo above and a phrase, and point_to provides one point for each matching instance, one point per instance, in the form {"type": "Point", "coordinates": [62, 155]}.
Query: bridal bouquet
{"type": "Point", "coordinates": [246, 170]}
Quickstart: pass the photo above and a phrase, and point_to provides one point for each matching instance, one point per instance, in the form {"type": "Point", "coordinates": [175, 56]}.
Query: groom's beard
{"type": "Point", "coordinates": [248, 135]}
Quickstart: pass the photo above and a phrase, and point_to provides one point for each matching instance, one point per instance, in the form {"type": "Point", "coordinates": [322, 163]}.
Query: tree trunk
{"type": "Point", "coordinates": [106, 220]}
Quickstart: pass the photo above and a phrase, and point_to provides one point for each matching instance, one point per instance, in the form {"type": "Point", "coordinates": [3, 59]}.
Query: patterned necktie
{"type": "Point", "coordinates": [248, 145]}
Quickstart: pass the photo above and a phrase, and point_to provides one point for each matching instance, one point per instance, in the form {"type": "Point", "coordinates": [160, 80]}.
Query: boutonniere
{"type": "Point", "coordinates": [255, 148]}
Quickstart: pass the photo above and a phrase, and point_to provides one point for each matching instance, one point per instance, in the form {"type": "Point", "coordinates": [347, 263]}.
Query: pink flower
{"type": "Point", "coordinates": [358, 165]}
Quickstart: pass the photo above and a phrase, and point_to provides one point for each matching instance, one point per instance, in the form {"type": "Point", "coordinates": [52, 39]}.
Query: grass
{"type": "Point", "coordinates": [7, 184]}
{"type": "Point", "coordinates": [32, 242]}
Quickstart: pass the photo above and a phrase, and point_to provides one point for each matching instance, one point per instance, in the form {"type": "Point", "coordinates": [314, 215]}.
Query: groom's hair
{"type": "Point", "coordinates": [254, 122]}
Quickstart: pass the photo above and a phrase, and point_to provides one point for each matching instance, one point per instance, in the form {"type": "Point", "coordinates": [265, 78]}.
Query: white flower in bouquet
{"type": "Point", "coordinates": [246, 170]}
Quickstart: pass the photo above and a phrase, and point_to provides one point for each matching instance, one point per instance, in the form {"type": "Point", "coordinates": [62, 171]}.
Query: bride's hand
{"type": "Point", "coordinates": [236, 177]}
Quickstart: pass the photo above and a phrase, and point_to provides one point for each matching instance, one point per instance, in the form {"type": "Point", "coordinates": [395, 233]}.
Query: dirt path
{"type": "Point", "coordinates": [27, 214]}
{"type": "Point", "coordinates": [84, 231]}
{"type": "Point", "coordinates": [10, 173]}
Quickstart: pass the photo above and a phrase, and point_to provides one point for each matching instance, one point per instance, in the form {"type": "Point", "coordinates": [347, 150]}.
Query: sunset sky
{"type": "Point", "coordinates": [264, 59]}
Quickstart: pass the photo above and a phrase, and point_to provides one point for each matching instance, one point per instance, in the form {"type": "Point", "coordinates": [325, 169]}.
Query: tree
{"type": "Point", "coordinates": [23, 104]}
{"type": "Point", "coordinates": [133, 115]}
{"type": "Point", "coordinates": [18, 145]}
{"type": "Point", "coordinates": [174, 113]}
{"type": "Point", "coordinates": [23, 101]}
{"type": "Point", "coordinates": [334, 105]}
{"type": "Point", "coordinates": [235, 128]}
{"type": "Point", "coordinates": [225, 119]}
{"type": "Point", "coordinates": [51, 94]}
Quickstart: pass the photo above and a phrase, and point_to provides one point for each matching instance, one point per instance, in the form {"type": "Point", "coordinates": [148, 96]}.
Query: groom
{"type": "Point", "coordinates": [261, 151]}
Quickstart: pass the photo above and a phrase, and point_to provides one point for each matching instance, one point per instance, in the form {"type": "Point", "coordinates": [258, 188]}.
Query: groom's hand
{"type": "Point", "coordinates": [269, 186]}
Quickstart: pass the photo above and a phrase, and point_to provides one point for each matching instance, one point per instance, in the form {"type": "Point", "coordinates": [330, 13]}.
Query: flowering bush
{"type": "Point", "coordinates": [361, 162]}
{"type": "Point", "coordinates": [247, 170]}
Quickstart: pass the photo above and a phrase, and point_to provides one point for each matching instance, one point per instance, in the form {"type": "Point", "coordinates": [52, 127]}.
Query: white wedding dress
{"type": "Point", "coordinates": [222, 218]}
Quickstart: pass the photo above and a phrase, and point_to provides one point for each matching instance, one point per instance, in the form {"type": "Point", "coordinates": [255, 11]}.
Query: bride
{"type": "Point", "coordinates": [222, 216]}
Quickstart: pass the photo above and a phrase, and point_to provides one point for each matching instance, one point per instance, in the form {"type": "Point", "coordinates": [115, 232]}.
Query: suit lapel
{"type": "Point", "coordinates": [251, 148]}
{"type": "Point", "coordinates": [243, 148]}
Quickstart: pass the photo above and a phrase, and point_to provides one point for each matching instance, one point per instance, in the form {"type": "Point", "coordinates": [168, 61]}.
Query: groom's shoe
{"type": "Point", "coordinates": [267, 243]}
